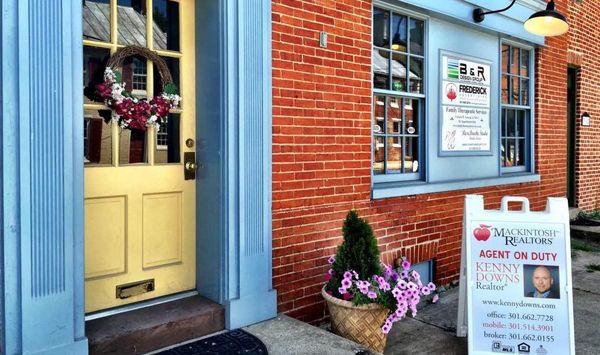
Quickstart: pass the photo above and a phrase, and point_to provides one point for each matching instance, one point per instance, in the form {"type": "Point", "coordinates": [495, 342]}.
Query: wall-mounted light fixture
{"type": "Point", "coordinates": [543, 23]}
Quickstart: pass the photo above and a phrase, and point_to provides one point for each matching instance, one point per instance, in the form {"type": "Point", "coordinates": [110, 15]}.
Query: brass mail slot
{"type": "Point", "coordinates": [134, 288]}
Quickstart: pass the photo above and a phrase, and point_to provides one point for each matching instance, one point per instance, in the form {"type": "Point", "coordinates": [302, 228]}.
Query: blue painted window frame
{"type": "Point", "coordinates": [422, 119]}
{"type": "Point", "coordinates": [529, 126]}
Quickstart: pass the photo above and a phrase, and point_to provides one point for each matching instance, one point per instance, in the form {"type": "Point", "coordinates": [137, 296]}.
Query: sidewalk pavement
{"type": "Point", "coordinates": [432, 331]}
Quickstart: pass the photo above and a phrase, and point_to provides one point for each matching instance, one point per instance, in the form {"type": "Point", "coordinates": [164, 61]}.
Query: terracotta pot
{"type": "Point", "coordinates": [361, 324]}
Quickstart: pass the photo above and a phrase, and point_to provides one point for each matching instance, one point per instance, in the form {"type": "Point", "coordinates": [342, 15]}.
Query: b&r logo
{"type": "Point", "coordinates": [482, 233]}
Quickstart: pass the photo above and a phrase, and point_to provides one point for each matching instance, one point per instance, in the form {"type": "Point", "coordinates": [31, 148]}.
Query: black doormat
{"type": "Point", "coordinates": [233, 342]}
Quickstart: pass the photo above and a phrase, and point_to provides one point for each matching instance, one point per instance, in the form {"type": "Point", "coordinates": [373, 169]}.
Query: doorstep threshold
{"type": "Point", "coordinates": [139, 305]}
{"type": "Point", "coordinates": [146, 329]}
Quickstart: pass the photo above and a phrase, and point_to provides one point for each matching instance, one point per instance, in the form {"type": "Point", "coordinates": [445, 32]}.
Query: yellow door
{"type": "Point", "coordinates": [139, 209]}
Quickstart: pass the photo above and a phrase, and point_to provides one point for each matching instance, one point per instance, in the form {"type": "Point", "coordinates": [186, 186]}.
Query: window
{"type": "Point", "coordinates": [107, 26]}
{"type": "Point", "coordinates": [516, 109]}
{"type": "Point", "coordinates": [162, 137]}
{"type": "Point", "coordinates": [398, 95]}
{"type": "Point", "coordinates": [139, 74]}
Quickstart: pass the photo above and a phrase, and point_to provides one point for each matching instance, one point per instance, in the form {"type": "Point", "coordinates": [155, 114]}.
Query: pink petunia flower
{"type": "Point", "coordinates": [331, 259]}
{"type": "Point", "coordinates": [405, 264]}
{"type": "Point", "coordinates": [372, 295]}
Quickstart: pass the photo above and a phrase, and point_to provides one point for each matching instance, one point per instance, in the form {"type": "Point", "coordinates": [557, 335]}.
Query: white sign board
{"type": "Point", "coordinates": [465, 104]}
{"type": "Point", "coordinates": [515, 284]}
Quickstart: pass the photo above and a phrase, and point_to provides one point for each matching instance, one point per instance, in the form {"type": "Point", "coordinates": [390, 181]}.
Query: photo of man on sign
{"type": "Point", "coordinates": [541, 281]}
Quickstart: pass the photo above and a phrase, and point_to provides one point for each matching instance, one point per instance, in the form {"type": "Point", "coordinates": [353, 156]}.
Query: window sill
{"type": "Point", "coordinates": [397, 189]}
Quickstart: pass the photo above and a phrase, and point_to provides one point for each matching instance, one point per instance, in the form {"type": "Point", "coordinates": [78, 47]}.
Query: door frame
{"type": "Point", "coordinates": [234, 256]}
{"type": "Point", "coordinates": [572, 111]}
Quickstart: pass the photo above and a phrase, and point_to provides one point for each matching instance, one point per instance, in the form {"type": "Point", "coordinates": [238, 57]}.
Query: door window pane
{"type": "Point", "coordinates": [96, 20]}
{"type": "Point", "coordinates": [135, 74]}
{"type": "Point", "coordinates": [131, 16]}
{"type": "Point", "coordinates": [97, 138]}
{"type": "Point", "coordinates": [173, 65]}
{"type": "Point", "coordinates": [167, 148]}
{"type": "Point", "coordinates": [132, 147]}
{"type": "Point", "coordinates": [166, 25]}
{"type": "Point", "coordinates": [94, 63]}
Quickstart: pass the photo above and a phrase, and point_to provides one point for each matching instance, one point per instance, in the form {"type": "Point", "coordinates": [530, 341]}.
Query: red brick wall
{"type": "Point", "coordinates": [321, 153]}
{"type": "Point", "coordinates": [584, 52]}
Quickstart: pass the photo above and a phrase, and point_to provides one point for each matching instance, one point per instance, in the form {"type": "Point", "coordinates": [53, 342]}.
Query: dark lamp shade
{"type": "Point", "coordinates": [547, 23]}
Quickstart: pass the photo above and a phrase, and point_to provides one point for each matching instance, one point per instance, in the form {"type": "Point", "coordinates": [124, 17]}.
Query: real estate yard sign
{"type": "Point", "coordinates": [515, 283]}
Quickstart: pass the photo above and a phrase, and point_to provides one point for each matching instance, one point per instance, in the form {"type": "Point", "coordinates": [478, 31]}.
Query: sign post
{"type": "Point", "coordinates": [515, 283]}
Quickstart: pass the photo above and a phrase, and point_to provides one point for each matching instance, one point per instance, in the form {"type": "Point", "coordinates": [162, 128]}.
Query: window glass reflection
{"type": "Point", "coordinates": [411, 155]}
{"type": "Point", "coordinates": [416, 75]}
{"type": "Point", "coordinates": [97, 137]}
{"type": "Point", "coordinates": [166, 25]}
{"type": "Point", "coordinates": [394, 155]}
{"type": "Point", "coordinates": [381, 29]}
{"type": "Point", "coordinates": [132, 147]}
{"type": "Point", "coordinates": [381, 78]}
{"type": "Point", "coordinates": [378, 155]}
{"type": "Point", "coordinates": [96, 20]}
{"type": "Point", "coordinates": [379, 112]}
{"type": "Point", "coordinates": [94, 63]}
{"type": "Point", "coordinates": [131, 15]}
{"type": "Point", "coordinates": [167, 141]}
{"type": "Point", "coordinates": [399, 72]}
{"type": "Point", "coordinates": [399, 23]}
{"type": "Point", "coordinates": [417, 29]}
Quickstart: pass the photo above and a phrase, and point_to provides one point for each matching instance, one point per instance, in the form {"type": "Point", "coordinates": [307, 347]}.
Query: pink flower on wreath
{"type": "Point", "coordinates": [347, 275]}
{"type": "Point", "coordinates": [346, 283]}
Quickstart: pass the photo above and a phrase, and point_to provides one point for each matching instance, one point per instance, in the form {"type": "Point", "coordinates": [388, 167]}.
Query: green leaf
{"type": "Point", "coordinates": [118, 76]}
{"type": "Point", "coordinates": [171, 89]}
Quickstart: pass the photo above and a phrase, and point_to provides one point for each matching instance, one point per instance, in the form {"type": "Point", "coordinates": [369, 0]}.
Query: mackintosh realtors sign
{"type": "Point", "coordinates": [465, 105]}
{"type": "Point", "coordinates": [515, 294]}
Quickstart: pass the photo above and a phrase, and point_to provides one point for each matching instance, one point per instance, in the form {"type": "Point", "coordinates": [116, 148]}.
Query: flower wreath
{"type": "Point", "coordinates": [129, 111]}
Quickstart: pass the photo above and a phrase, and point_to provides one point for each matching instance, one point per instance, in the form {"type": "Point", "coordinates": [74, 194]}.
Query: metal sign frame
{"type": "Point", "coordinates": [556, 214]}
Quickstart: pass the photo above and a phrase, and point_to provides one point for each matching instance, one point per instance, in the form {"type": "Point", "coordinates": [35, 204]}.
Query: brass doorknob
{"type": "Point", "coordinates": [191, 166]}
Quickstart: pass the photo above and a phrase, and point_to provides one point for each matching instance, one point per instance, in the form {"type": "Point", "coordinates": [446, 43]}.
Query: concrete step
{"type": "Point", "coordinates": [146, 329]}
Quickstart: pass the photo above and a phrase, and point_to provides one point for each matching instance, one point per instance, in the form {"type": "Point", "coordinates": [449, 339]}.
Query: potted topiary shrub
{"type": "Point", "coordinates": [364, 296]}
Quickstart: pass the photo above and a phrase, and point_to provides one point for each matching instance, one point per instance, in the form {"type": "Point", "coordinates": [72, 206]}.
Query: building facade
{"type": "Point", "coordinates": [295, 112]}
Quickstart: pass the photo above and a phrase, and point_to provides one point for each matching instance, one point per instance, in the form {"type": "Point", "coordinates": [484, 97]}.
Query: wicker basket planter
{"type": "Point", "coordinates": [361, 324]}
